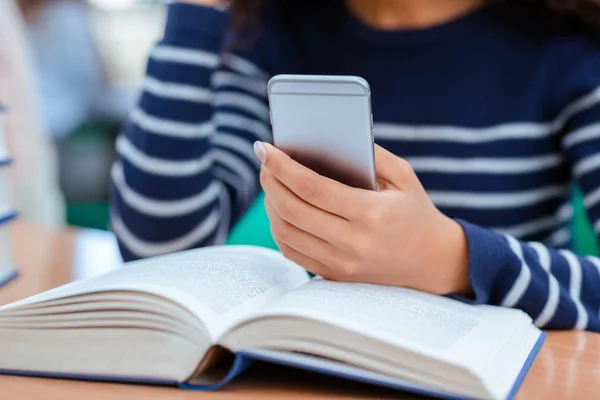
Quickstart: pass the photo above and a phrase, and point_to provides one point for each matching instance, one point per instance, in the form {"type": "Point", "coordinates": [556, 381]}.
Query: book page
{"type": "Point", "coordinates": [220, 285]}
{"type": "Point", "coordinates": [428, 324]}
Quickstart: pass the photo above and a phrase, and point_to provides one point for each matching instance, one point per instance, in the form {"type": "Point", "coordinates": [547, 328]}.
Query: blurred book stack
{"type": "Point", "coordinates": [7, 212]}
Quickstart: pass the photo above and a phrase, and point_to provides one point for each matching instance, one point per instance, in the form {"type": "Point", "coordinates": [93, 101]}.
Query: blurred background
{"type": "Point", "coordinates": [86, 60]}
{"type": "Point", "coordinates": [70, 72]}
{"type": "Point", "coordinates": [89, 58]}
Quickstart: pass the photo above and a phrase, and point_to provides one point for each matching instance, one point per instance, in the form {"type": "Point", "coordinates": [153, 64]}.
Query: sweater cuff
{"type": "Point", "coordinates": [197, 20]}
{"type": "Point", "coordinates": [487, 255]}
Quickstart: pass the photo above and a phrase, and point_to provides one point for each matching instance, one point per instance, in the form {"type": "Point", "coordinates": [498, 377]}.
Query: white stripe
{"type": "Point", "coordinates": [242, 65]}
{"type": "Point", "coordinates": [587, 133]}
{"type": "Point", "coordinates": [243, 102]}
{"type": "Point", "coordinates": [596, 263]}
{"type": "Point", "coordinates": [521, 284]}
{"type": "Point", "coordinates": [565, 212]}
{"type": "Point", "coordinates": [585, 102]}
{"type": "Point", "coordinates": [528, 228]}
{"type": "Point", "coordinates": [225, 207]}
{"type": "Point", "coordinates": [484, 165]}
{"type": "Point", "coordinates": [575, 288]}
{"type": "Point", "coordinates": [239, 167]}
{"type": "Point", "coordinates": [142, 248]}
{"type": "Point", "coordinates": [157, 208]}
{"type": "Point", "coordinates": [496, 200]}
{"type": "Point", "coordinates": [587, 165]}
{"type": "Point", "coordinates": [597, 226]}
{"type": "Point", "coordinates": [559, 238]}
{"type": "Point", "coordinates": [242, 190]}
{"type": "Point", "coordinates": [237, 144]}
{"type": "Point", "coordinates": [185, 56]}
{"type": "Point", "coordinates": [253, 85]}
{"type": "Point", "coordinates": [553, 298]}
{"type": "Point", "coordinates": [159, 166]}
{"type": "Point", "coordinates": [543, 255]}
{"type": "Point", "coordinates": [517, 130]}
{"type": "Point", "coordinates": [176, 91]}
{"type": "Point", "coordinates": [591, 199]}
{"type": "Point", "coordinates": [171, 128]}
{"type": "Point", "coordinates": [234, 121]}
{"type": "Point", "coordinates": [457, 134]}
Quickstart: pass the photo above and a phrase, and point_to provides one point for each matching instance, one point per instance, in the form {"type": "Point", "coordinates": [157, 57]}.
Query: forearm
{"type": "Point", "coordinates": [165, 196]}
{"type": "Point", "coordinates": [558, 289]}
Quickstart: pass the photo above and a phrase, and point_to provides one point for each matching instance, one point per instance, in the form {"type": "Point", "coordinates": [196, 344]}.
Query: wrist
{"type": "Point", "coordinates": [451, 257]}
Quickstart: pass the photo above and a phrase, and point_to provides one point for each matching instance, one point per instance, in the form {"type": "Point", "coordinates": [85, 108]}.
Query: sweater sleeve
{"type": "Point", "coordinates": [557, 288]}
{"type": "Point", "coordinates": [186, 170]}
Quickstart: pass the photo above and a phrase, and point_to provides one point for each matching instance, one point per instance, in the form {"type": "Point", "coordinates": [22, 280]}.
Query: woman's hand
{"type": "Point", "coordinates": [394, 236]}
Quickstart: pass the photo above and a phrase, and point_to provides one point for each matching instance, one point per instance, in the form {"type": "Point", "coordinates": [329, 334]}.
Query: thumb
{"type": "Point", "coordinates": [391, 170]}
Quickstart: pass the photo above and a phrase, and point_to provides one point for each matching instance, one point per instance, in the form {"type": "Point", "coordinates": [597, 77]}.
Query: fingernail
{"type": "Point", "coordinates": [260, 151]}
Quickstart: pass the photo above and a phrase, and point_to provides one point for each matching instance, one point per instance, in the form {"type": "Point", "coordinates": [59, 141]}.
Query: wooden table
{"type": "Point", "coordinates": [568, 366]}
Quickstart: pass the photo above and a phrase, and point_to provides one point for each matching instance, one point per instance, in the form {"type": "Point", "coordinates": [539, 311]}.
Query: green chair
{"type": "Point", "coordinates": [88, 215]}
{"type": "Point", "coordinates": [584, 238]}
{"type": "Point", "coordinates": [253, 228]}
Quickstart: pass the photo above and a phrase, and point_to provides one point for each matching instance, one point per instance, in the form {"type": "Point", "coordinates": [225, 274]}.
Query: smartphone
{"type": "Point", "coordinates": [325, 123]}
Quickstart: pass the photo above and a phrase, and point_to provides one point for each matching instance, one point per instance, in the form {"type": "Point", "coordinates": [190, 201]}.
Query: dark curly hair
{"type": "Point", "coordinates": [570, 15]}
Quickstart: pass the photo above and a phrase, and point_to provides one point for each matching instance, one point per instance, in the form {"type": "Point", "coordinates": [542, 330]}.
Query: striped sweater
{"type": "Point", "coordinates": [497, 117]}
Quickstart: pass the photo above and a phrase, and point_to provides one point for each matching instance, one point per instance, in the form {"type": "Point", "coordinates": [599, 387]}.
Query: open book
{"type": "Point", "coordinates": [198, 318]}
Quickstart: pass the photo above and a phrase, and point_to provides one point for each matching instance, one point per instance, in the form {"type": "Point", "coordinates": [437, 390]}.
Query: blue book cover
{"type": "Point", "coordinates": [245, 359]}
{"type": "Point", "coordinates": [345, 371]}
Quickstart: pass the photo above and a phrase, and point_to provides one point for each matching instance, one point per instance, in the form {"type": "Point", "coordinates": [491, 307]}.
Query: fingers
{"type": "Point", "coordinates": [324, 193]}
{"type": "Point", "coordinates": [297, 239]}
{"type": "Point", "coordinates": [304, 261]}
{"type": "Point", "coordinates": [301, 214]}
{"type": "Point", "coordinates": [391, 169]}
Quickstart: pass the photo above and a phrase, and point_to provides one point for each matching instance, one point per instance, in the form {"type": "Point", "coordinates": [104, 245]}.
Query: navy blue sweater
{"type": "Point", "coordinates": [498, 118]}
